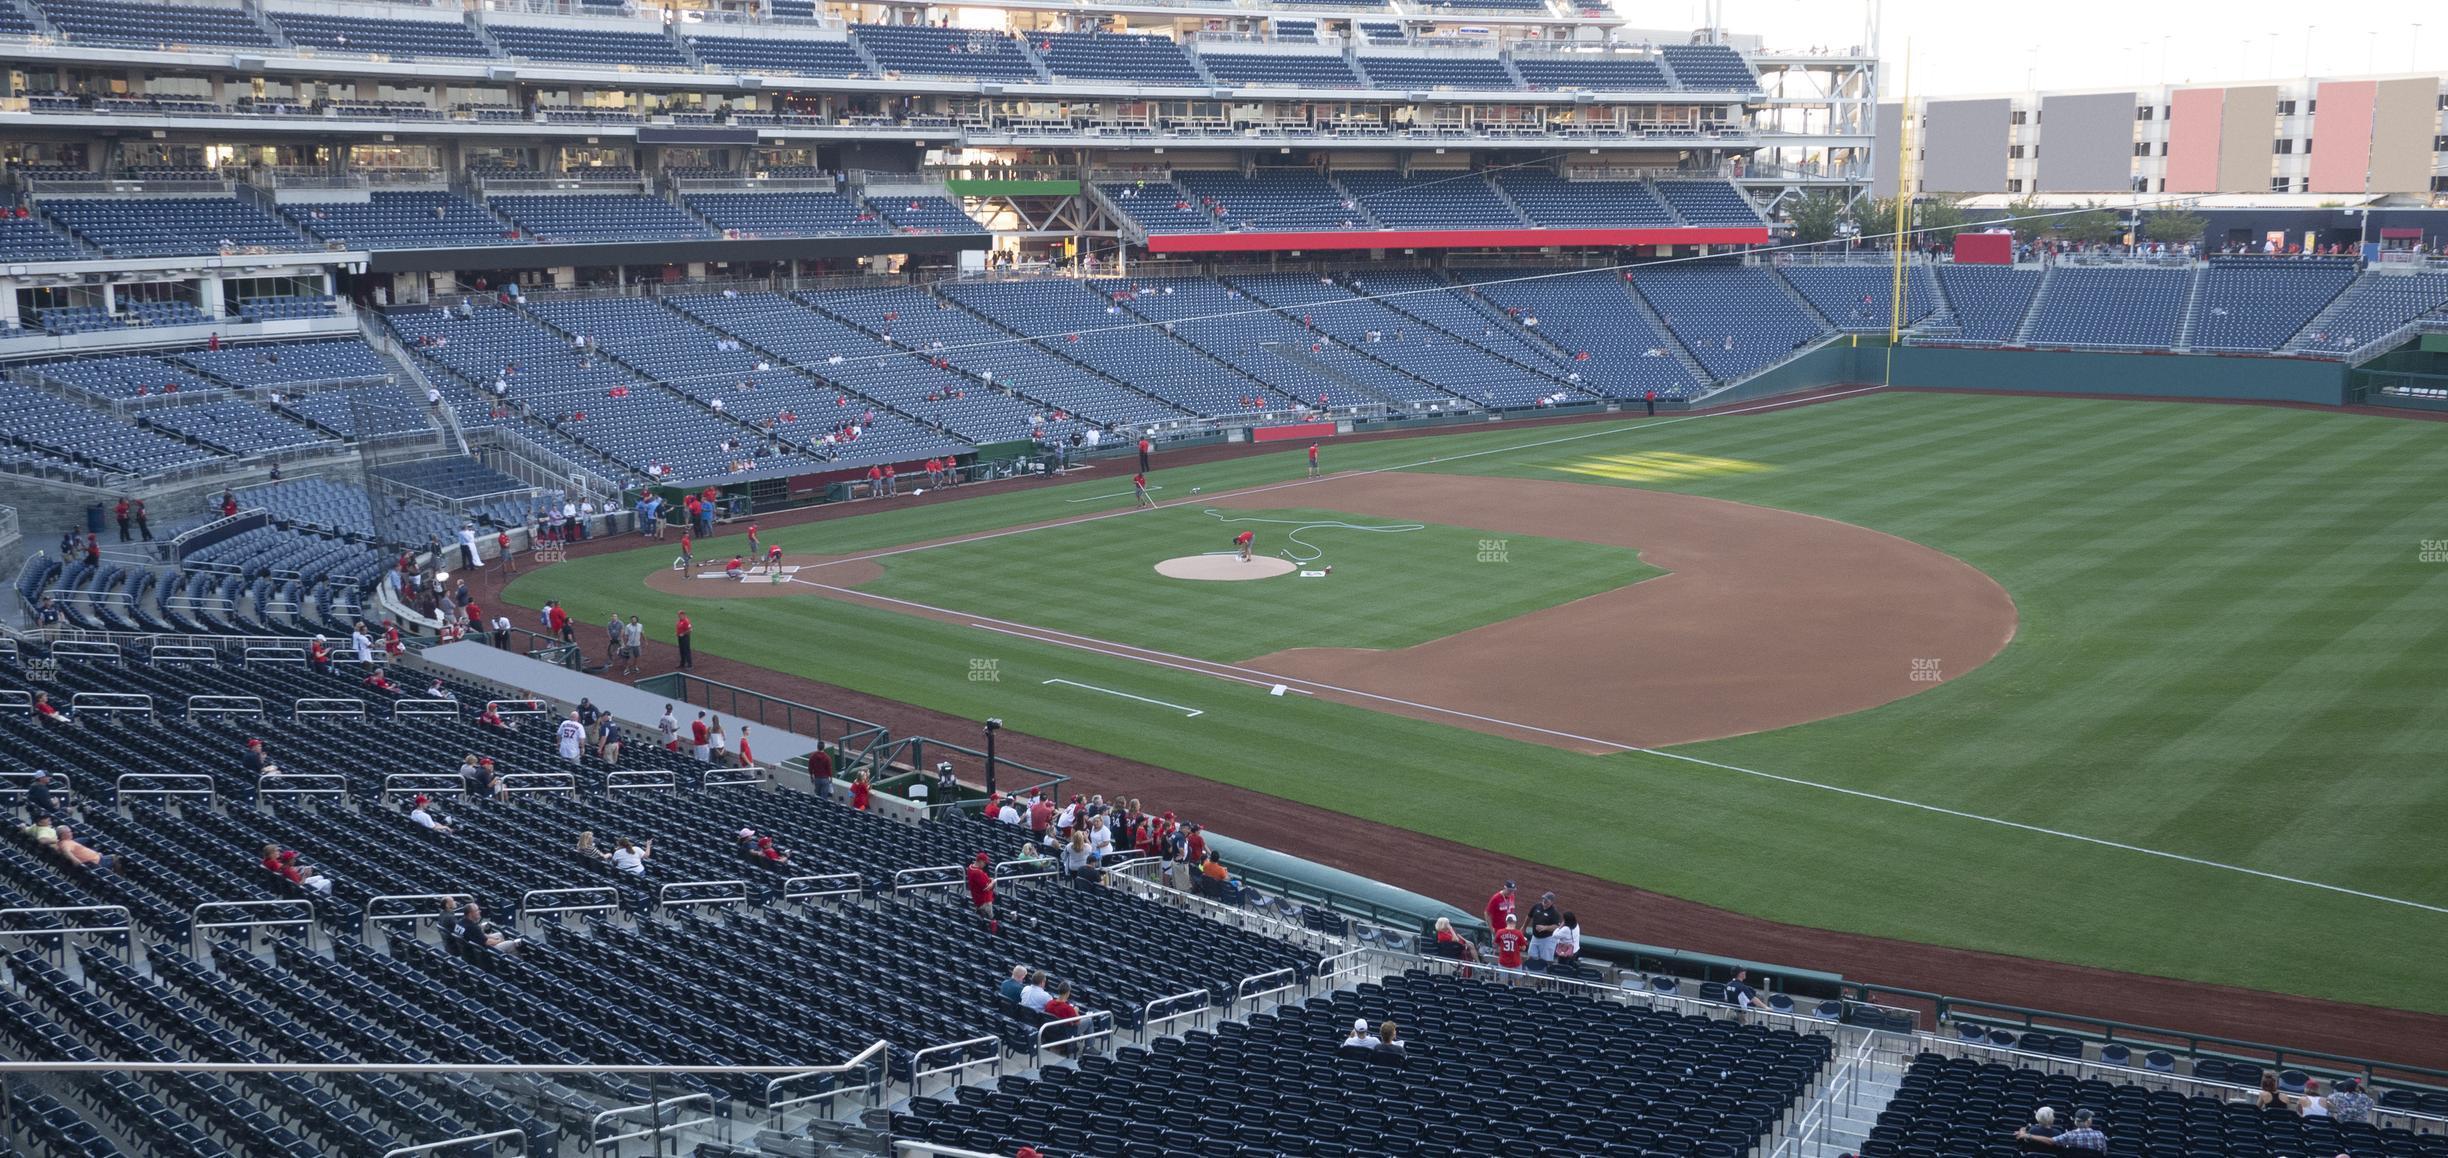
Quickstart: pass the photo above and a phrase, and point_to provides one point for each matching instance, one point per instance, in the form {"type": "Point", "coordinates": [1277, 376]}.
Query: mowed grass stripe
{"type": "Point", "coordinates": [2281, 510]}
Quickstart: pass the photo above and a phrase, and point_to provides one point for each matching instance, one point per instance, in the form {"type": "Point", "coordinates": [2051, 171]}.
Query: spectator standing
{"type": "Point", "coordinates": [1544, 919]}
{"type": "Point", "coordinates": [633, 642]}
{"type": "Point", "coordinates": [701, 738]}
{"type": "Point", "coordinates": [680, 635]}
{"type": "Point", "coordinates": [820, 772]}
{"type": "Point", "coordinates": [719, 747]}
{"type": "Point", "coordinates": [669, 729]}
{"type": "Point", "coordinates": [144, 526]}
{"type": "Point", "coordinates": [1568, 940]}
{"type": "Point", "coordinates": [123, 510]}
{"type": "Point", "coordinates": [982, 891]}
{"type": "Point", "coordinates": [1511, 943]}
{"type": "Point", "coordinates": [1500, 907]}
{"type": "Point", "coordinates": [569, 735]}
{"type": "Point", "coordinates": [859, 792]}
{"type": "Point", "coordinates": [614, 632]}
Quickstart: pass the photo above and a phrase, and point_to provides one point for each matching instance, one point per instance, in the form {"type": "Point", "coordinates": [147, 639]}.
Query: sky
{"type": "Point", "coordinates": [1966, 46]}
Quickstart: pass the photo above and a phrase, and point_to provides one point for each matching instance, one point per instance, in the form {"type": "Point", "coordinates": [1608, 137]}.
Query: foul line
{"type": "Point", "coordinates": [1267, 488]}
{"type": "Point", "coordinates": [1194, 712]}
{"type": "Point", "coordinates": [1115, 495]}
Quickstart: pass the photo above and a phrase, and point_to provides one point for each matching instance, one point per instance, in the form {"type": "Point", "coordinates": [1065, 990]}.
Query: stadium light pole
{"type": "Point", "coordinates": [993, 725]}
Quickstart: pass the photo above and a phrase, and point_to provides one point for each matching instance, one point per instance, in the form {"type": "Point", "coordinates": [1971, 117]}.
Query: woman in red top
{"type": "Point", "coordinates": [858, 792]}
{"type": "Point", "coordinates": [1061, 1009]}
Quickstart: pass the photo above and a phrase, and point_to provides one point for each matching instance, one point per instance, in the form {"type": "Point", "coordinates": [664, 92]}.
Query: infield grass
{"type": "Point", "coordinates": [2230, 650]}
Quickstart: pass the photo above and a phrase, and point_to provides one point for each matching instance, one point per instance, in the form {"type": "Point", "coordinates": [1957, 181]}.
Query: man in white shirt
{"type": "Point", "coordinates": [421, 814]}
{"type": "Point", "coordinates": [1010, 813]}
{"type": "Point", "coordinates": [668, 727]}
{"type": "Point", "coordinates": [570, 734]}
{"type": "Point", "coordinates": [362, 644]}
{"type": "Point", "coordinates": [467, 544]}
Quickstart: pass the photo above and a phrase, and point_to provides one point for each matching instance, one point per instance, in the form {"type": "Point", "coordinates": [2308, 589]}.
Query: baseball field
{"type": "Point", "coordinates": [2152, 687]}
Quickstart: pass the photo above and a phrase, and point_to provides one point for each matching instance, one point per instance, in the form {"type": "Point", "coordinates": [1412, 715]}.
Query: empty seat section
{"type": "Point", "coordinates": [814, 214]}
{"type": "Point", "coordinates": [1438, 368]}
{"type": "Point", "coordinates": [1160, 206]}
{"type": "Point", "coordinates": [387, 37]}
{"type": "Point", "coordinates": [2251, 305]}
{"type": "Point", "coordinates": [780, 54]}
{"type": "Point", "coordinates": [401, 220]}
{"type": "Point", "coordinates": [1275, 201]}
{"type": "Point", "coordinates": [88, 436]}
{"type": "Point", "coordinates": [1591, 314]}
{"type": "Point", "coordinates": [1077, 322]}
{"type": "Point", "coordinates": [1734, 319]}
{"type": "Point", "coordinates": [1233, 328]}
{"type": "Point", "coordinates": [235, 426]}
{"type": "Point", "coordinates": [1283, 68]}
{"type": "Point", "coordinates": [1437, 72]}
{"type": "Point", "coordinates": [1709, 203]}
{"type": "Point", "coordinates": [924, 215]}
{"type": "Point", "coordinates": [1428, 199]}
{"type": "Point", "coordinates": [173, 226]}
{"type": "Point", "coordinates": [1559, 203]}
{"type": "Point", "coordinates": [960, 341]}
{"type": "Point", "coordinates": [1597, 71]}
{"type": "Point", "coordinates": [917, 50]}
{"type": "Point", "coordinates": [2372, 308]}
{"type": "Point", "coordinates": [598, 217]}
{"type": "Point", "coordinates": [1107, 56]}
{"type": "Point", "coordinates": [2111, 306]}
{"type": "Point", "coordinates": [1860, 298]}
{"type": "Point", "coordinates": [1711, 68]}
{"type": "Point", "coordinates": [288, 363]}
{"type": "Point", "coordinates": [587, 45]}
{"type": "Point", "coordinates": [32, 239]}
{"type": "Point", "coordinates": [141, 25]}
{"type": "Point", "coordinates": [1989, 300]}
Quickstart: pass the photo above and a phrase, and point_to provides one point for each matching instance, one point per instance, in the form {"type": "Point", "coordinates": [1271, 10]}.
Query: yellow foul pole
{"type": "Point", "coordinates": [1903, 203]}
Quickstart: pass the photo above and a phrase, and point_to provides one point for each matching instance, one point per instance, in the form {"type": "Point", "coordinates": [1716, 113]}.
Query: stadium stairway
{"type": "Point", "coordinates": [1804, 303]}
{"type": "Point", "coordinates": [1666, 335]}
{"type": "Point", "coordinates": [2192, 308]}
{"type": "Point", "coordinates": [2033, 312]}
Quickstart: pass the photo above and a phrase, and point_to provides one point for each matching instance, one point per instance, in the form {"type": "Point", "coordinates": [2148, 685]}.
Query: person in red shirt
{"type": "Point", "coordinates": [1245, 542]}
{"type": "Point", "coordinates": [934, 469]}
{"type": "Point", "coordinates": [1312, 460]}
{"type": "Point", "coordinates": [1139, 490]}
{"type": "Point", "coordinates": [391, 639]}
{"type": "Point", "coordinates": [892, 480]}
{"type": "Point", "coordinates": [1059, 1008]}
{"type": "Point", "coordinates": [318, 656]}
{"type": "Point", "coordinates": [773, 559]}
{"type": "Point", "coordinates": [746, 760]}
{"type": "Point", "coordinates": [820, 772]}
{"type": "Point", "coordinates": [501, 543]}
{"type": "Point", "coordinates": [1041, 815]}
{"type": "Point", "coordinates": [753, 544]}
{"type": "Point", "coordinates": [1511, 943]}
{"type": "Point", "coordinates": [858, 792]}
{"type": "Point", "coordinates": [875, 480]}
{"type": "Point", "coordinates": [701, 739]}
{"type": "Point", "coordinates": [558, 620]}
{"type": "Point", "coordinates": [732, 569]}
{"type": "Point", "coordinates": [981, 891]}
{"type": "Point", "coordinates": [1194, 845]}
{"type": "Point", "coordinates": [1500, 906]}
{"type": "Point", "coordinates": [682, 564]}
{"type": "Point", "coordinates": [122, 510]}
{"type": "Point", "coordinates": [680, 633]}
{"type": "Point", "coordinates": [93, 551]}
{"type": "Point", "coordinates": [229, 504]}
{"type": "Point", "coordinates": [1144, 447]}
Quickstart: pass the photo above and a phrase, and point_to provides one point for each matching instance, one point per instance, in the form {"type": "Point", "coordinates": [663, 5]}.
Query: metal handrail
{"type": "Point", "coordinates": [904, 879]}
{"type": "Point", "coordinates": [1040, 866]}
{"type": "Point", "coordinates": [919, 1073]}
{"type": "Point", "coordinates": [793, 889]}
{"type": "Point", "coordinates": [85, 649]}
{"type": "Point", "coordinates": [133, 702]}
{"type": "Point", "coordinates": [711, 782]}
{"type": "Point", "coordinates": [182, 653]}
{"type": "Point", "coordinates": [1197, 1012]}
{"type": "Point", "coordinates": [470, 1140]}
{"type": "Point", "coordinates": [528, 783]}
{"type": "Point", "coordinates": [169, 782]}
{"type": "Point", "coordinates": [1337, 966]}
{"type": "Point", "coordinates": [736, 894]}
{"type": "Point", "coordinates": [126, 923]}
{"type": "Point", "coordinates": [196, 924]}
{"type": "Point", "coordinates": [300, 784]}
{"type": "Point", "coordinates": [601, 899]}
{"type": "Point", "coordinates": [425, 783]}
{"type": "Point", "coordinates": [224, 706]}
{"type": "Point", "coordinates": [861, 1059]}
{"type": "Point", "coordinates": [1076, 1040]}
{"type": "Point", "coordinates": [1243, 993]}
{"type": "Point", "coordinates": [365, 927]}
{"type": "Point", "coordinates": [597, 1140]}
{"type": "Point", "coordinates": [327, 706]}
{"type": "Point", "coordinates": [630, 781]}
{"type": "Point", "coordinates": [424, 707]}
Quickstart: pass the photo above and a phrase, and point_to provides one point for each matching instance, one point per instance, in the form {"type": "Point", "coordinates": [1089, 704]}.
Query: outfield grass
{"type": "Point", "coordinates": [2229, 651]}
{"type": "Point", "coordinates": [1391, 589]}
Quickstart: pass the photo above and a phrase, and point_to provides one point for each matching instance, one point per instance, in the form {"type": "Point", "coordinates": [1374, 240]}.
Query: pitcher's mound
{"type": "Point", "coordinates": [1223, 567]}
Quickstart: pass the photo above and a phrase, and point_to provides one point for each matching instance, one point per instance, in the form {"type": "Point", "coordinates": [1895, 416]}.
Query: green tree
{"type": "Point", "coordinates": [1815, 216]}
{"type": "Point", "coordinates": [2029, 221]}
{"type": "Point", "coordinates": [1942, 217]}
{"type": "Point", "coordinates": [2174, 226]}
{"type": "Point", "coordinates": [2093, 226]}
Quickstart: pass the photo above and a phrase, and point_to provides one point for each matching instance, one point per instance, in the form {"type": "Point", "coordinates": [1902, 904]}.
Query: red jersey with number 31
{"type": "Point", "coordinates": [1510, 945]}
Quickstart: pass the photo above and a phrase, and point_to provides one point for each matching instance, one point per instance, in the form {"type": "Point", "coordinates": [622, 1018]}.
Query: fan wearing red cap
{"type": "Point", "coordinates": [982, 892]}
{"type": "Point", "coordinates": [421, 814]}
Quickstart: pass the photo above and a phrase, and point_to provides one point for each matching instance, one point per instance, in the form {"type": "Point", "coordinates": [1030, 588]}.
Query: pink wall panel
{"type": "Point", "coordinates": [2342, 135]}
{"type": "Point", "coordinates": [2193, 140]}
